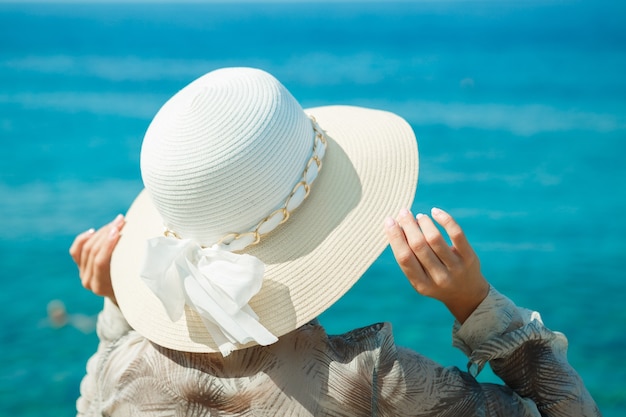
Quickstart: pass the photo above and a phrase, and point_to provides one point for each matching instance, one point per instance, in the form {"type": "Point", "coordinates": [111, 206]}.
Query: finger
{"type": "Point", "coordinates": [95, 245]}
{"type": "Point", "coordinates": [102, 259]}
{"type": "Point", "coordinates": [90, 251]}
{"type": "Point", "coordinates": [101, 276]}
{"type": "Point", "coordinates": [457, 236]}
{"type": "Point", "coordinates": [77, 246]}
{"type": "Point", "coordinates": [119, 222]}
{"type": "Point", "coordinates": [418, 243]}
{"type": "Point", "coordinates": [404, 255]}
{"type": "Point", "coordinates": [435, 240]}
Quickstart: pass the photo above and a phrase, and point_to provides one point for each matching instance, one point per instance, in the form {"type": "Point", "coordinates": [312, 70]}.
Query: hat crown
{"type": "Point", "coordinates": [224, 152]}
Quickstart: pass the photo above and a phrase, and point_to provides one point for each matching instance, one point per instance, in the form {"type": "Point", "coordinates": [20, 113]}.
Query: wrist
{"type": "Point", "coordinates": [464, 304]}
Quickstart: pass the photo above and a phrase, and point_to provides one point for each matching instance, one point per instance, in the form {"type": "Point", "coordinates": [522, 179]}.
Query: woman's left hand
{"type": "Point", "coordinates": [91, 251]}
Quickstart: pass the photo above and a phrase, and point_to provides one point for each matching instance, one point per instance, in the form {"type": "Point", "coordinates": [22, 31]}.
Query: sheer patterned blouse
{"type": "Point", "coordinates": [360, 373]}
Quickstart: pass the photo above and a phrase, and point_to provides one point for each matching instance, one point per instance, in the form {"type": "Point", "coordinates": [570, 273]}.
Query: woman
{"type": "Point", "coordinates": [268, 214]}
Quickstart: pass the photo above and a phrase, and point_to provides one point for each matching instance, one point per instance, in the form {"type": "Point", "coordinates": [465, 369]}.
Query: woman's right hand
{"type": "Point", "coordinates": [91, 251]}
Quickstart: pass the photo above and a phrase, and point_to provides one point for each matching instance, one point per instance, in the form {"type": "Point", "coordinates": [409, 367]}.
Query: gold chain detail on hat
{"type": "Point", "coordinates": [239, 241]}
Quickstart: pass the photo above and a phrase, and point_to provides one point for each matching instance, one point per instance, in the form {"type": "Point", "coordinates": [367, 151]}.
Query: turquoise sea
{"type": "Point", "coordinates": [519, 108]}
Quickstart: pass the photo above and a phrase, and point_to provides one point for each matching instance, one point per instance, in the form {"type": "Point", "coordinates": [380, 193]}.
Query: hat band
{"type": "Point", "coordinates": [233, 241]}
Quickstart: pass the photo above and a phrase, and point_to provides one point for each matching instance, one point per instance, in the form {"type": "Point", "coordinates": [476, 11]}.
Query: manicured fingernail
{"type": "Point", "coordinates": [118, 219]}
{"type": "Point", "coordinates": [389, 222]}
{"type": "Point", "coordinates": [88, 232]}
{"type": "Point", "coordinates": [436, 211]}
{"type": "Point", "coordinates": [404, 212]}
{"type": "Point", "coordinates": [419, 216]}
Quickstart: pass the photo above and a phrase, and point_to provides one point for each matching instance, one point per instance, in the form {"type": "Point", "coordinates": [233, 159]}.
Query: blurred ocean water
{"type": "Point", "coordinates": [519, 109]}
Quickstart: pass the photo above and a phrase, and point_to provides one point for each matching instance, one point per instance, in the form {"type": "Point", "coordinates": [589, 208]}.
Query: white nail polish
{"type": "Point", "coordinates": [389, 222]}
{"type": "Point", "coordinates": [436, 211]}
{"type": "Point", "coordinates": [118, 219]}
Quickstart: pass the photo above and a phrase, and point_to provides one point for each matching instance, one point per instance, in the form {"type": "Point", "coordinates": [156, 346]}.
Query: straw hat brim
{"type": "Point", "coordinates": [369, 172]}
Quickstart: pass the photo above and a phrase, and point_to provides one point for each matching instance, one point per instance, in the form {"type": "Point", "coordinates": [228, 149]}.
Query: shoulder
{"type": "Point", "coordinates": [374, 339]}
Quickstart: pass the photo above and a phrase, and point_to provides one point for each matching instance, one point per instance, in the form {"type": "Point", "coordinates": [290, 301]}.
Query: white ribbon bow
{"type": "Point", "coordinates": [216, 283]}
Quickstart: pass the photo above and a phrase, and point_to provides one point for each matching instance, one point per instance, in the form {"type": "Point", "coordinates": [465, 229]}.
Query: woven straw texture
{"type": "Point", "coordinates": [369, 172]}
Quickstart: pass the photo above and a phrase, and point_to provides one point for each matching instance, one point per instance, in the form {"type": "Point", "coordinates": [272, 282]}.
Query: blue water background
{"type": "Point", "coordinates": [519, 108]}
